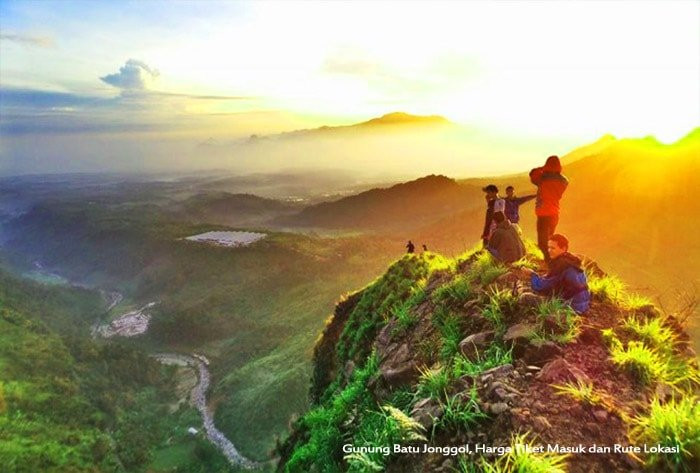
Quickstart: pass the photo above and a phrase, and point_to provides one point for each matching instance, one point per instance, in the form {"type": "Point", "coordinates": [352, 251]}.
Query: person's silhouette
{"type": "Point", "coordinates": [410, 248]}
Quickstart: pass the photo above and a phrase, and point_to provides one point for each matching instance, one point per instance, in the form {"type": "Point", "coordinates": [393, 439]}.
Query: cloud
{"type": "Point", "coordinates": [28, 40]}
{"type": "Point", "coordinates": [350, 61]}
{"type": "Point", "coordinates": [134, 75]}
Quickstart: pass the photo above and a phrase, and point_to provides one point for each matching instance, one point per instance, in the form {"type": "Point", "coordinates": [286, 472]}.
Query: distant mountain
{"type": "Point", "coordinates": [394, 121]}
{"type": "Point", "coordinates": [400, 207]}
{"type": "Point", "coordinates": [232, 209]}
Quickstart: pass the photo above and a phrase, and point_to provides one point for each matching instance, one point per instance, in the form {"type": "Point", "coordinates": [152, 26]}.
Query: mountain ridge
{"type": "Point", "coordinates": [439, 353]}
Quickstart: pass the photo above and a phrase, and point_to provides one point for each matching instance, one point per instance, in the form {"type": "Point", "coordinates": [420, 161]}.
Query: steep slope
{"type": "Point", "coordinates": [454, 365]}
{"type": "Point", "coordinates": [67, 403]}
{"type": "Point", "coordinates": [401, 207]}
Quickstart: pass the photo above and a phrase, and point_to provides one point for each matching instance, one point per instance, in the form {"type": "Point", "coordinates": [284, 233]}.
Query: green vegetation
{"type": "Point", "coordinates": [495, 355]}
{"type": "Point", "coordinates": [460, 412]}
{"type": "Point", "coordinates": [612, 289]}
{"type": "Point", "coordinates": [499, 306]}
{"type": "Point", "coordinates": [433, 382]}
{"type": "Point", "coordinates": [486, 269]}
{"type": "Point", "coordinates": [69, 404]}
{"type": "Point", "coordinates": [451, 335]}
{"type": "Point", "coordinates": [638, 359]}
{"type": "Point", "coordinates": [457, 291]}
{"type": "Point", "coordinates": [324, 424]}
{"type": "Point", "coordinates": [652, 332]}
{"type": "Point", "coordinates": [556, 321]}
{"type": "Point", "coordinates": [649, 363]}
{"type": "Point", "coordinates": [583, 392]}
{"type": "Point", "coordinates": [395, 287]}
{"type": "Point", "coordinates": [674, 424]}
{"type": "Point", "coordinates": [521, 460]}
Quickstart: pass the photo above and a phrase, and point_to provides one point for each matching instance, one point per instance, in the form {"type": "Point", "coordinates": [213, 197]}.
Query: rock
{"type": "Point", "coordinates": [590, 336]}
{"type": "Point", "coordinates": [529, 299]}
{"type": "Point", "coordinates": [540, 423]}
{"type": "Point", "coordinates": [517, 332]}
{"type": "Point", "coordinates": [648, 311]}
{"type": "Point", "coordinates": [400, 375]}
{"type": "Point", "coordinates": [397, 367]}
{"type": "Point", "coordinates": [426, 411]}
{"type": "Point", "coordinates": [349, 369]}
{"type": "Point", "coordinates": [559, 370]}
{"type": "Point", "coordinates": [601, 415]}
{"type": "Point", "coordinates": [497, 371]}
{"type": "Point", "coordinates": [519, 336]}
{"type": "Point", "coordinates": [540, 354]}
{"type": "Point", "coordinates": [592, 428]}
{"type": "Point", "coordinates": [498, 408]}
{"type": "Point", "coordinates": [475, 344]}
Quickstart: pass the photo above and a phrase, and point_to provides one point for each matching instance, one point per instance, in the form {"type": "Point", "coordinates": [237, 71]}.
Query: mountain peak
{"type": "Point", "coordinates": [403, 118]}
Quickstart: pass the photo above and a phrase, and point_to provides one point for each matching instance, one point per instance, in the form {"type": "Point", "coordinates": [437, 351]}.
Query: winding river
{"type": "Point", "coordinates": [198, 397]}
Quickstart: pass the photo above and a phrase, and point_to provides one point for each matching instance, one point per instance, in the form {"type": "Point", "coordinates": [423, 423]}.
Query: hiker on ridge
{"type": "Point", "coordinates": [505, 244]}
{"type": "Point", "coordinates": [513, 204]}
{"type": "Point", "coordinates": [410, 248]}
{"type": "Point", "coordinates": [493, 204]}
{"type": "Point", "coordinates": [565, 276]}
{"type": "Point", "coordinates": [550, 187]}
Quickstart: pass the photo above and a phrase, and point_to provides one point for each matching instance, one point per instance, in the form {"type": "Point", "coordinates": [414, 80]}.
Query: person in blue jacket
{"type": "Point", "coordinates": [513, 204]}
{"type": "Point", "coordinates": [565, 277]}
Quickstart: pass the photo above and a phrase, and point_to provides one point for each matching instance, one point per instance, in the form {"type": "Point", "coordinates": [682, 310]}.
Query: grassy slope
{"type": "Point", "coordinates": [248, 308]}
{"type": "Point", "coordinates": [354, 407]}
{"type": "Point", "coordinates": [67, 403]}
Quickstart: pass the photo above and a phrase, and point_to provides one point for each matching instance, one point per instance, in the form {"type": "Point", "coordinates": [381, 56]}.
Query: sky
{"type": "Point", "coordinates": [102, 84]}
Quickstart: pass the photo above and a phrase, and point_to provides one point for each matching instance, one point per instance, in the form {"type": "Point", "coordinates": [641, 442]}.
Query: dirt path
{"type": "Point", "coordinates": [198, 398]}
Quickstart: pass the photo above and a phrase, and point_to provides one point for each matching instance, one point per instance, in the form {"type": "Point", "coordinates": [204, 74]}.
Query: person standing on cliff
{"type": "Point", "coordinates": [551, 185]}
{"type": "Point", "coordinates": [513, 204]}
{"type": "Point", "coordinates": [493, 204]}
{"type": "Point", "coordinates": [410, 247]}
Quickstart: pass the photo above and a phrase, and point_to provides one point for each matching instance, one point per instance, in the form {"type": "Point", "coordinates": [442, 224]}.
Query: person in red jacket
{"type": "Point", "coordinates": [550, 187]}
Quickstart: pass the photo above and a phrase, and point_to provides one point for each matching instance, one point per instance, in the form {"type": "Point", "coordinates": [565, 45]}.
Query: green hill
{"type": "Point", "coordinates": [439, 353]}
{"type": "Point", "coordinates": [66, 402]}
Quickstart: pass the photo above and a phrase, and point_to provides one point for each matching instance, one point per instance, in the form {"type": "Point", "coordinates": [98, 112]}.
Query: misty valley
{"type": "Point", "coordinates": [168, 322]}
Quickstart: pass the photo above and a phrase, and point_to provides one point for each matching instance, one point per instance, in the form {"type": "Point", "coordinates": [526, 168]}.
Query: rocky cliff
{"type": "Point", "coordinates": [445, 365]}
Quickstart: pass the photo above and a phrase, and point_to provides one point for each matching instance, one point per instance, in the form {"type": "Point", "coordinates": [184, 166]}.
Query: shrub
{"type": "Point", "coordinates": [651, 332]}
{"type": "Point", "coordinates": [566, 321]}
{"type": "Point", "coordinates": [611, 289]}
{"type": "Point", "coordinates": [495, 355]}
{"type": "Point", "coordinates": [433, 382]}
{"type": "Point", "coordinates": [458, 290]}
{"type": "Point", "coordinates": [639, 360]}
{"type": "Point", "coordinates": [582, 392]}
{"type": "Point", "coordinates": [460, 412]}
{"type": "Point", "coordinates": [676, 423]}
{"type": "Point", "coordinates": [451, 336]}
{"type": "Point", "coordinates": [485, 269]}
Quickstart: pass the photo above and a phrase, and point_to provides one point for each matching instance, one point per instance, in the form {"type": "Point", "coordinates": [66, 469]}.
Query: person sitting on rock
{"type": "Point", "coordinates": [505, 244]}
{"type": "Point", "coordinates": [565, 277]}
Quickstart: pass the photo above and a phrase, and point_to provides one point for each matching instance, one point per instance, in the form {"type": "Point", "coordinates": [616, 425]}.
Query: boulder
{"type": "Point", "coordinates": [426, 411]}
{"type": "Point", "coordinates": [519, 336]}
{"type": "Point", "coordinates": [559, 371]}
{"type": "Point", "coordinates": [542, 353]}
{"type": "Point", "coordinates": [518, 333]}
{"type": "Point", "coordinates": [396, 364]}
{"type": "Point", "coordinates": [529, 299]}
{"type": "Point", "coordinates": [475, 344]}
